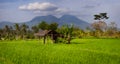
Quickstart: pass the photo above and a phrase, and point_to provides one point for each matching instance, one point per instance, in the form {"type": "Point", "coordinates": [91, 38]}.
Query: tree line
{"type": "Point", "coordinates": [98, 29]}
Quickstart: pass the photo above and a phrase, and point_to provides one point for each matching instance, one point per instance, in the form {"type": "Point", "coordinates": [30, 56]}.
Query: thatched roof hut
{"type": "Point", "coordinates": [44, 33]}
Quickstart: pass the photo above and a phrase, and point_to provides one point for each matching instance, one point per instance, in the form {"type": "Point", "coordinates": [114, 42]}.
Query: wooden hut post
{"type": "Point", "coordinates": [44, 39]}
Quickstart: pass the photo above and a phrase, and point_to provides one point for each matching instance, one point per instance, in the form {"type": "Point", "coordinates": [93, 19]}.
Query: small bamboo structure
{"type": "Point", "coordinates": [43, 33]}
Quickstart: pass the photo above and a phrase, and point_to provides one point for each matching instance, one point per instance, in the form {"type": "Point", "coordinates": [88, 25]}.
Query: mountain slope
{"type": "Point", "coordinates": [65, 19]}
{"type": "Point", "coordinates": [69, 19]}
{"type": "Point", "coordinates": [38, 19]}
{"type": "Point", "coordinates": [3, 23]}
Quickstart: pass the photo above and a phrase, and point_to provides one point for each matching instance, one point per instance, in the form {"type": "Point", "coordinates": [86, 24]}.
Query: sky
{"type": "Point", "coordinates": [25, 10]}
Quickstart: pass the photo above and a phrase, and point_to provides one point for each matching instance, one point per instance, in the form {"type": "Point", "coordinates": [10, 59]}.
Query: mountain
{"type": "Point", "coordinates": [3, 23]}
{"type": "Point", "coordinates": [69, 19]}
{"type": "Point", "coordinates": [38, 19]}
{"type": "Point", "coordinates": [65, 19]}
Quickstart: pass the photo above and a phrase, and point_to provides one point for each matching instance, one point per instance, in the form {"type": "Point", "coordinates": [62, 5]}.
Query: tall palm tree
{"type": "Point", "coordinates": [17, 30]}
{"type": "Point", "coordinates": [100, 26]}
{"type": "Point", "coordinates": [100, 16]}
{"type": "Point", "coordinates": [17, 26]}
{"type": "Point", "coordinates": [6, 31]}
{"type": "Point", "coordinates": [24, 30]}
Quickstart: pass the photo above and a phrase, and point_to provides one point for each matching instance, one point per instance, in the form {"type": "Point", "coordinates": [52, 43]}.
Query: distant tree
{"type": "Point", "coordinates": [1, 34]}
{"type": "Point", "coordinates": [112, 29]}
{"type": "Point", "coordinates": [17, 27]}
{"type": "Point", "coordinates": [88, 31]}
{"type": "Point", "coordinates": [100, 26]}
{"type": "Point", "coordinates": [24, 28]}
{"type": "Point", "coordinates": [67, 30]}
{"type": "Point", "coordinates": [30, 34]}
{"type": "Point", "coordinates": [43, 25]}
{"type": "Point", "coordinates": [6, 31]}
{"type": "Point", "coordinates": [12, 33]}
{"type": "Point", "coordinates": [6, 28]}
{"type": "Point", "coordinates": [53, 26]}
{"type": "Point", "coordinates": [113, 26]}
{"type": "Point", "coordinates": [35, 29]}
{"type": "Point", "coordinates": [17, 30]}
{"type": "Point", "coordinates": [100, 16]}
{"type": "Point", "coordinates": [76, 32]}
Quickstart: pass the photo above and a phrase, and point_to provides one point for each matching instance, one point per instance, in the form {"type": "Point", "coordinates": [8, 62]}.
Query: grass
{"type": "Point", "coordinates": [80, 51]}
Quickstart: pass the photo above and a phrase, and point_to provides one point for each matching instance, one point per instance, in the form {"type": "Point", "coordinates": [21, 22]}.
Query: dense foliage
{"type": "Point", "coordinates": [98, 29]}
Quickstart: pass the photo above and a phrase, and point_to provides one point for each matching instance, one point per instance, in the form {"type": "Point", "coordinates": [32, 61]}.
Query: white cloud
{"type": "Point", "coordinates": [39, 6]}
{"type": "Point", "coordinates": [23, 7]}
{"type": "Point", "coordinates": [62, 10]}
{"type": "Point", "coordinates": [44, 8]}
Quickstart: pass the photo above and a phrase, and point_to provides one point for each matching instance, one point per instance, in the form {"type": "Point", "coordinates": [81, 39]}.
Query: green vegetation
{"type": "Point", "coordinates": [19, 45]}
{"type": "Point", "coordinates": [98, 29]}
{"type": "Point", "coordinates": [80, 51]}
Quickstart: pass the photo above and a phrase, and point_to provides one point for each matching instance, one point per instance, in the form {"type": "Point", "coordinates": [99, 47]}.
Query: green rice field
{"type": "Point", "coordinates": [80, 51]}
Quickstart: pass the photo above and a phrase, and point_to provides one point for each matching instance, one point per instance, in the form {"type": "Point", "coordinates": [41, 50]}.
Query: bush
{"type": "Point", "coordinates": [61, 40]}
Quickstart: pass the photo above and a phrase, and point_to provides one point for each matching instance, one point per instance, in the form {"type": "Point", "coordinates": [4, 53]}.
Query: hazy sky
{"type": "Point", "coordinates": [25, 10]}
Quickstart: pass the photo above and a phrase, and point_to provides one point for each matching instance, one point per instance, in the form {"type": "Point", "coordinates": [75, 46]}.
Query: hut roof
{"type": "Point", "coordinates": [42, 33]}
